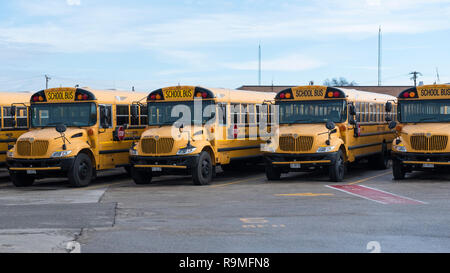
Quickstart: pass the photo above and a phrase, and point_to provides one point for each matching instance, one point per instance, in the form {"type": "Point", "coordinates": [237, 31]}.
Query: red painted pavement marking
{"type": "Point", "coordinates": [376, 195]}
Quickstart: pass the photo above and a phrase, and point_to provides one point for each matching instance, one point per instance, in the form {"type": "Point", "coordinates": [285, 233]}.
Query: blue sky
{"type": "Point", "coordinates": [150, 44]}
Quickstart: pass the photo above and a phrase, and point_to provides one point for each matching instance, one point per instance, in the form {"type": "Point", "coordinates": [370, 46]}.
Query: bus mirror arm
{"type": "Point", "coordinates": [61, 128]}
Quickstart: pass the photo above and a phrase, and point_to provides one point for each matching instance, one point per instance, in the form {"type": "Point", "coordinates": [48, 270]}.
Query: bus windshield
{"type": "Point", "coordinates": [424, 111]}
{"type": "Point", "coordinates": [161, 113]}
{"type": "Point", "coordinates": [312, 111]}
{"type": "Point", "coordinates": [69, 114]}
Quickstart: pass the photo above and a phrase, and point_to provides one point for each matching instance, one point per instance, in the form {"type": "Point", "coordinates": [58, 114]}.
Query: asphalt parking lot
{"type": "Point", "coordinates": [240, 212]}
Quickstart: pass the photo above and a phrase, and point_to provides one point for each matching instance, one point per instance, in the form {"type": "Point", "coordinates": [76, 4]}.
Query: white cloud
{"type": "Point", "coordinates": [292, 62]}
{"type": "Point", "coordinates": [73, 2]}
{"type": "Point", "coordinates": [113, 28]}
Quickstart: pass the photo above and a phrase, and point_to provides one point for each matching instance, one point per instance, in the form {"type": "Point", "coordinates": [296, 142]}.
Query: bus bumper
{"type": "Point", "coordinates": [421, 161]}
{"type": "Point", "coordinates": [306, 161]}
{"type": "Point", "coordinates": [40, 166]}
{"type": "Point", "coordinates": [167, 164]}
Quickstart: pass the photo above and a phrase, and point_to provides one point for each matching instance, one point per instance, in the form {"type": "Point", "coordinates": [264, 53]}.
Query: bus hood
{"type": "Point", "coordinates": [50, 134]}
{"type": "Point", "coordinates": [173, 132]}
{"type": "Point", "coordinates": [164, 131]}
{"type": "Point", "coordinates": [304, 129]}
{"type": "Point", "coordinates": [426, 128]}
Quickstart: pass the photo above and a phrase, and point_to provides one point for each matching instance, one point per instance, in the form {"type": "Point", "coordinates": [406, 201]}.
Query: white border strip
{"type": "Point", "coordinates": [367, 198]}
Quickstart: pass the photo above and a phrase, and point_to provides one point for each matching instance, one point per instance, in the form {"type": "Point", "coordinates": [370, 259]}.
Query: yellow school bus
{"type": "Point", "coordinates": [12, 124]}
{"type": "Point", "coordinates": [217, 127]}
{"type": "Point", "coordinates": [326, 127]}
{"type": "Point", "coordinates": [75, 132]}
{"type": "Point", "coordinates": [423, 130]}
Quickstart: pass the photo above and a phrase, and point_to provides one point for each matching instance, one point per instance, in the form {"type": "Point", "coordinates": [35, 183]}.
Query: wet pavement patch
{"type": "Point", "coordinates": [86, 215]}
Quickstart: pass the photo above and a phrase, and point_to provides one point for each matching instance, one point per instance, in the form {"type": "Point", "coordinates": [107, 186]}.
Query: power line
{"type": "Point", "coordinates": [379, 56]}
{"type": "Point", "coordinates": [259, 64]}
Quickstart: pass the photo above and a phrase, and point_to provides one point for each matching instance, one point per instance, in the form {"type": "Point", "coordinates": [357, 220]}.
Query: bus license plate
{"type": "Point", "coordinates": [296, 166]}
{"type": "Point", "coordinates": [156, 169]}
{"type": "Point", "coordinates": [428, 165]}
{"type": "Point", "coordinates": [31, 171]}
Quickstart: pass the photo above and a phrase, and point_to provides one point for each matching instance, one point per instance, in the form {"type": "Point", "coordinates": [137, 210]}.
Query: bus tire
{"type": "Point", "coordinates": [141, 177]}
{"type": "Point", "coordinates": [128, 170]}
{"type": "Point", "coordinates": [337, 170]}
{"type": "Point", "coordinates": [380, 161]}
{"type": "Point", "coordinates": [202, 172]}
{"type": "Point", "coordinates": [81, 172]}
{"type": "Point", "coordinates": [397, 170]}
{"type": "Point", "coordinates": [272, 173]}
{"type": "Point", "coordinates": [21, 180]}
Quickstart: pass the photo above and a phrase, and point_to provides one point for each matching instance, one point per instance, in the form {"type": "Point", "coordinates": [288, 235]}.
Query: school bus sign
{"type": "Point", "coordinates": [178, 93]}
{"type": "Point", "coordinates": [430, 92]}
{"type": "Point", "coordinates": [60, 94]}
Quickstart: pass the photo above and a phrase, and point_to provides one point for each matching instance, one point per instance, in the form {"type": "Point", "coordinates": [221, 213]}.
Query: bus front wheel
{"type": "Point", "coordinates": [21, 180]}
{"type": "Point", "coordinates": [81, 173]}
{"type": "Point", "coordinates": [337, 170]}
{"type": "Point", "coordinates": [272, 173]}
{"type": "Point", "coordinates": [202, 173]}
{"type": "Point", "coordinates": [398, 170]}
{"type": "Point", "coordinates": [141, 177]}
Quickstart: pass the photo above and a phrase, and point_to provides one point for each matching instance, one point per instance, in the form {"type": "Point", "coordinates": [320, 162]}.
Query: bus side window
{"type": "Point", "coordinates": [22, 117]}
{"type": "Point", "coordinates": [258, 111]}
{"type": "Point", "coordinates": [244, 116]}
{"type": "Point", "coordinates": [235, 113]}
{"type": "Point", "coordinates": [358, 112]}
{"type": "Point", "coordinates": [122, 115]}
{"type": "Point", "coordinates": [222, 113]}
{"type": "Point", "coordinates": [143, 115]}
{"type": "Point", "coordinates": [7, 117]}
{"type": "Point", "coordinates": [134, 121]}
{"type": "Point", "coordinates": [366, 112]}
{"type": "Point", "coordinates": [251, 114]}
{"type": "Point", "coordinates": [106, 116]}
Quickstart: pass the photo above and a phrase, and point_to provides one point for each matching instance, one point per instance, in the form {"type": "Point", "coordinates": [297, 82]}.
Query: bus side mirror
{"type": "Point", "coordinates": [61, 128]}
{"type": "Point", "coordinates": [388, 119]}
{"type": "Point", "coordinates": [134, 111]}
{"type": "Point", "coordinates": [352, 110]}
{"type": "Point", "coordinates": [330, 125]}
{"type": "Point", "coordinates": [392, 125]}
{"type": "Point", "coordinates": [388, 107]}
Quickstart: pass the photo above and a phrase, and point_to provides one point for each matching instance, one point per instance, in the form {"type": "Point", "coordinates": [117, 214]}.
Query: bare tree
{"type": "Point", "coordinates": [339, 82]}
{"type": "Point", "coordinates": [414, 77]}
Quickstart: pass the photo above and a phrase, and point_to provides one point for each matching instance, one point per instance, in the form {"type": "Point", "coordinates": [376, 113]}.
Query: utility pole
{"type": "Point", "coordinates": [47, 79]}
{"type": "Point", "coordinates": [414, 77]}
{"type": "Point", "coordinates": [438, 80]}
{"type": "Point", "coordinates": [379, 56]}
{"type": "Point", "coordinates": [259, 64]}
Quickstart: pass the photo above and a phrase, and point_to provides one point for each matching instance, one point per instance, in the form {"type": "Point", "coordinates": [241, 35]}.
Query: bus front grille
{"type": "Point", "coordinates": [433, 143]}
{"type": "Point", "coordinates": [299, 144]}
{"type": "Point", "coordinates": [160, 146]}
{"type": "Point", "coordinates": [35, 148]}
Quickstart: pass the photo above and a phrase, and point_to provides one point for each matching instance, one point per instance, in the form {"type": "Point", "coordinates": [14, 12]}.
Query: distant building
{"type": "Point", "coordinates": [390, 90]}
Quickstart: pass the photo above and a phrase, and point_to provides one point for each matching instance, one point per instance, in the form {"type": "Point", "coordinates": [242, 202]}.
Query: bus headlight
{"type": "Point", "coordinates": [61, 154]}
{"type": "Point", "coordinates": [10, 154]}
{"type": "Point", "coordinates": [187, 150]}
{"type": "Point", "coordinates": [400, 148]}
{"type": "Point", "coordinates": [325, 149]}
{"type": "Point", "coordinates": [133, 152]}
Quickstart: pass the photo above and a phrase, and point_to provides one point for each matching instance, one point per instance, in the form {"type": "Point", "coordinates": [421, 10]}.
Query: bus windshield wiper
{"type": "Point", "coordinates": [298, 120]}
{"type": "Point", "coordinates": [427, 118]}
